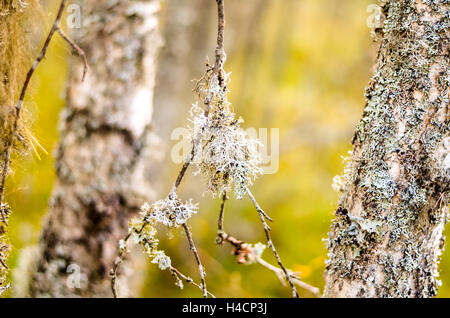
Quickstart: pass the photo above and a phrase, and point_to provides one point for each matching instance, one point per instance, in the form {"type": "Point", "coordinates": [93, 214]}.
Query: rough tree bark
{"type": "Point", "coordinates": [105, 149]}
{"type": "Point", "coordinates": [387, 237]}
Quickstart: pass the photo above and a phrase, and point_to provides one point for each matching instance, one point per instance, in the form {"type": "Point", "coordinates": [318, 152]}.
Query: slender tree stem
{"type": "Point", "coordinates": [19, 104]}
{"type": "Point", "coordinates": [56, 27]}
{"type": "Point", "coordinates": [176, 273]}
{"type": "Point", "coordinates": [77, 49]}
{"type": "Point", "coordinates": [116, 266]}
{"type": "Point", "coordinates": [263, 216]}
{"type": "Point", "coordinates": [222, 212]}
{"type": "Point", "coordinates": [217, 72]}
{"type": "Point", "coordinates": [197, 258]}
{"type": "Point", "coordinates": [295, 278]}
{"type": "Point", "coordinates": [3, 264]}
{"type": "Point", "coordinates": [258, 208]}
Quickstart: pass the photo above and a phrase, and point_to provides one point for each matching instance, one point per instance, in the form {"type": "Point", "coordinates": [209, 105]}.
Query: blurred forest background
{"type": "Point", "coordinates": [297, 65]}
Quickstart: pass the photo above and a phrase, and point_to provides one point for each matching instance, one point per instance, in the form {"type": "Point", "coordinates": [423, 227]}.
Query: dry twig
{"type": "Point", "coordinates": [18, 108]}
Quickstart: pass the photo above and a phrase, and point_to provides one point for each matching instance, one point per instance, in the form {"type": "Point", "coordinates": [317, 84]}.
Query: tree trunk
{"type": "Point", "coordinates": [106, 146]}
{"type": "Point", "coordinates": [387, 237]}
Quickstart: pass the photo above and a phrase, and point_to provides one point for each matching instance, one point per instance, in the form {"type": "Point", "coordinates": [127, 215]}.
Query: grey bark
{"type": "Point", "coordinates": [387, 237]}
{"type": "Point", "coordinates": [105, 151]}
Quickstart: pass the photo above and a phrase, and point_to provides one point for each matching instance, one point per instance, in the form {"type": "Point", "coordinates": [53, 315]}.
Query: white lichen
{"type": "Point", "coordinates": [225, 154]}
{"type": "Point", "coordinates": [162, 260]}
{"type": "Point", "coordinates": [172, 212]}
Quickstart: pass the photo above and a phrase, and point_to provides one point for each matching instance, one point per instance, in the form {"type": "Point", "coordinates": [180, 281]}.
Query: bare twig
{"type": "Point", "coordinates": [258, 208]}
{"type": "Point", "coordinates": [77, 49]}
{"type": "Point", "coordinates": [116, 265]}
{"type": "Point", "coordinates": [222, 212]}
{"type": "Point", "coordinates": [4, 212]}
{"type": "Point", "coordinates": [119, 261]}
{"type": "Point", "coordinates": [280, 274]}
{"type": "Point", "coordinates": [244, 252]}
{"type": "Point", "coordinates": [217, 70]}
{"type": "Point", "coordinates": [197, 258]}
{"type": "Point", "coordinates": [263, 217]}
{"type": "Point", "coordinates": [3, 263]}
{"type": "Point", "coordinates": [56, 27]}
{"type": "Point", "coordinates": [220, 54]}
{"type": "Point", "coordinates": [177, 274]}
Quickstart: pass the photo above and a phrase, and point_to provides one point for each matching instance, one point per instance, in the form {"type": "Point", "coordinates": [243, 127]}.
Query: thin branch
{"type": "Point", "coordinates": [314, 290]}
{"type": "Point", "coordinates": [77, 49]}
{"type": "Point", "coordinates": [220, 54]}
{"type": "Point", "coordinates": [217, 72]}
{"type": "Point", "coordinates": [263, 217]}
{"type": "Point", "coordinates": [258, 208]}
{"type": "Point", "coordinates": [18, 107]}
{"type": "Point", "coordinates": [183, 170]}
{"type": "Point", "coordinates": [119, 261]}
{"type": "Point", "coordinates": [244, 252]}
{"type": "Point", "coordinates": [4, 212]}
{"type": "Point", "coordinates": [3, 263]}
{"type": "Point", "coordinates": [115, 269]}
{"type": "Point", "coordinates": [177, 274]}
{"type": "Point", "coordinates": [222, 212]}
{"type": "Point", "coordinates": [197, 258]}
{"type": "Point", "coordinates": [120, 258]}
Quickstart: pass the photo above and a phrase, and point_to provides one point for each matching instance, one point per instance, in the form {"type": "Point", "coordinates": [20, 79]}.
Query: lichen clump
{"type": "Point", "coordinates": [224, 153]}
{"type": "Point", "coordinates": [170, 212]}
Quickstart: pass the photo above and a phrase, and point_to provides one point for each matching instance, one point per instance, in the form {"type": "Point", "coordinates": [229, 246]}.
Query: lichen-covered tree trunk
{"type": "Point", "coordinates": [387, 237]}
{"type": "Point", "coordinates": [104, 152]}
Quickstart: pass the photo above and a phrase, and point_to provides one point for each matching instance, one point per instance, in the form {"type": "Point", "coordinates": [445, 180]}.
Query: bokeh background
{"type": "Point", "coordinates": [297, 65]}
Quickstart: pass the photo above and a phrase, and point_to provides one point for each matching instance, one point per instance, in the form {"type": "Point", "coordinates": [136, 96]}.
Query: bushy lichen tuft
{"type": "Point", "coordinates": [225, 154]}
{"type": "Point", "coordinates": [170, 212]}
